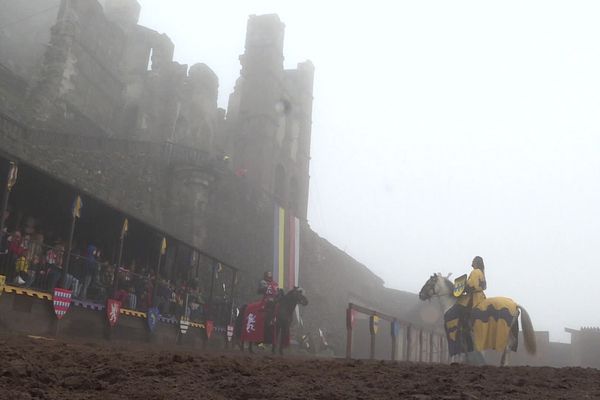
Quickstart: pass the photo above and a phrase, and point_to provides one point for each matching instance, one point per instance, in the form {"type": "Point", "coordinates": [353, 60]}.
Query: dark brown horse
{"type": "Point", "coordinates": [283, 317]}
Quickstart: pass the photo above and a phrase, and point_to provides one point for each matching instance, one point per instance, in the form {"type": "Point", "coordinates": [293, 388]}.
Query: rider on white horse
{"type": "Point", "coordinates": [473, 295]}
{"type": "Point", "coordinates": [474, 323]}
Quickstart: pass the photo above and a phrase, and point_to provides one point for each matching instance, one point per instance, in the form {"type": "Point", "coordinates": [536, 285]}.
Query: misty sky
{"type": "Point", "coordinates": [442, 130]}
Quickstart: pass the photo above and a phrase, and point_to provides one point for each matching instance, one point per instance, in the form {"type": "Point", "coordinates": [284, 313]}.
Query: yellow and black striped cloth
{"type": "Point", "coordinates": [490, 322]}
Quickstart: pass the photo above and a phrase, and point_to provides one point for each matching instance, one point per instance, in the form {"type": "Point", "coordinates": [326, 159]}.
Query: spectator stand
{"type": "Point", "coordinates": [37, 218]}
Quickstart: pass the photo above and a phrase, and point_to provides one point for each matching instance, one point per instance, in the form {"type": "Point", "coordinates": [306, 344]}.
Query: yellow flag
{"type": "Point", "coordinates": [12, 176]}
{"type": "Point", "coordinates": [163, 246]}
{"type": "Point", "coordinates": [77, 204]}
{"type": "Point", "coordinates": [125, 228]}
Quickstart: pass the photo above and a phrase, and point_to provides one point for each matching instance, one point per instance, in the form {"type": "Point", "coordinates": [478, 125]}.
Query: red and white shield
{"type": "Point", "coordinates": [113, 310]}
{"type": "Point", "coordinates": [210, 325]}
{"type": "Point", "coordinates": [61, 301]}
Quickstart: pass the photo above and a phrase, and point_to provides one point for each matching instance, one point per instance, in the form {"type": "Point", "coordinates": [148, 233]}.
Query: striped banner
{"type": "Point", "coordinates": [286, 254]}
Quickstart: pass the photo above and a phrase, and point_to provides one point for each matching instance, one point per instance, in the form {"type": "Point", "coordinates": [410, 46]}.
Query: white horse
{"type": "Point", "coordinates": [442, 288]}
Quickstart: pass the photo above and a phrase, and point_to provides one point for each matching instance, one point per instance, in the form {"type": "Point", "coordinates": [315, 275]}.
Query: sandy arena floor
{"type": "Point", "coordinates": [43, 369]}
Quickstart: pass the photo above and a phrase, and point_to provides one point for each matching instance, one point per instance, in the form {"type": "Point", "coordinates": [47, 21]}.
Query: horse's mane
{"type": "Point", "coordinates": [447, 282]}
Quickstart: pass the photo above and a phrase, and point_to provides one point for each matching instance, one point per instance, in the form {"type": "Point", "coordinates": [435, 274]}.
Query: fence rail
{"type": "Point", "coordinates": [415, 342]}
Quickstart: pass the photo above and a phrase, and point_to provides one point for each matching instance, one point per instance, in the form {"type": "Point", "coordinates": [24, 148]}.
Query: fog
{"type": "Point", "coordinates": [442, 130]}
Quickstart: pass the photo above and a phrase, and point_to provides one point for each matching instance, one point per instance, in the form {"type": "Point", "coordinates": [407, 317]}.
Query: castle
{"type": "Point", "coordinates": [94, 101]}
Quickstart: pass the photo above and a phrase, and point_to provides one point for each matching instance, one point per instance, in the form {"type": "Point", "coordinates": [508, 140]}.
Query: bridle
{"type": "Point", "coordinates": [431, 288]}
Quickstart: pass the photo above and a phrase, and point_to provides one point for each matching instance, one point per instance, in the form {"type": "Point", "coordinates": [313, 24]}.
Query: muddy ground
{"type": "Point", "coordinates": [45, 369]}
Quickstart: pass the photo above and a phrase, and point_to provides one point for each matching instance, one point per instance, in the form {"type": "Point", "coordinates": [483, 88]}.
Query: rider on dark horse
{"type": "Point", "coordinates": [269, 288]}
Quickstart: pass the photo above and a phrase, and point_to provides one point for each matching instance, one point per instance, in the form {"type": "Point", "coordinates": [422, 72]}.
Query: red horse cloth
{"type": "Point", "coordinates": [253, 325]}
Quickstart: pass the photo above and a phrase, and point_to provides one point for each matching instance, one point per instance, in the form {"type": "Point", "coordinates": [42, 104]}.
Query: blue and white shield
{"type": "Point", "coordinates": [395, 328]}
{"type": "Point", "coordinates": [152, 318]}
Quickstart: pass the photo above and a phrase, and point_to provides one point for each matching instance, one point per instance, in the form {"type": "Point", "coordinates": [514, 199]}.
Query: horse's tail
{"type": "Point", "coordinates": [528, 332]}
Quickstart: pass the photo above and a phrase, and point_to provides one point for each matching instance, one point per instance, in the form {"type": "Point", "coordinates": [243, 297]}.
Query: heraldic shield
{"type": "Point", "coordinates": [209, 326]}
{"type": "Point", "coordinates": [184, 324]}
{"type": "Point", "coordinates": [61, 301]}
{"type": "Point", "coordinates": [113, 310]}
{"type": "Point", "coordinates": [230, 330]}
{"type": "Point", "coordinates": [152, 318]}
{"type": "Point", "coordinates": [460, 285]}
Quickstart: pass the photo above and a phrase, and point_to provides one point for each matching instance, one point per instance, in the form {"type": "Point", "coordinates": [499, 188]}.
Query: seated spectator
{"type": "Point", "coordinates": [21, 271]}
{"type": "Point", "coordinates": [102, 285]}
{"type": "Point", "coordinates": [16, 249]}
{"type": "Point", "coordinates": [122, 296]}
{"type": "Point", "coordinates": [164, 296]}
{"type": "Point", "coordinates": [53, 268]}
{"type": "Point", "coordinates": [90, 269]}
{"type": "Point", "coordinates": [35, 269]}
{"type": "Point", "coordinates": [36, 247]}
{"type": "Point", "coordinates": [196, 304]}
{"type": "Point", "coordinates": [54, 258]}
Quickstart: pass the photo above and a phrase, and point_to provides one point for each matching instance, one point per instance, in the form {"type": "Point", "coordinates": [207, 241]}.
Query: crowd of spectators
{"type": "Point", "coordinates": [28, 261]}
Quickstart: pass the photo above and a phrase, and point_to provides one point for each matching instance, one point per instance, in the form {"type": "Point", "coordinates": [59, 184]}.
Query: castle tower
{"type": "Point", "coordinates": [269, 117]}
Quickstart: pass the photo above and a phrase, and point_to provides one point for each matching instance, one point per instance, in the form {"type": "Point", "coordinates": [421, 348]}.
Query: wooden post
{"type": "Point", "coordinates": [430, 347]}
{"type": "Point", "coordinates": [441, 340]}
{"type": "Point", "coordinates": [11, 179]}
{"type": "Point", "coordinates": [209, 312]}
{"type": "Point", "coordinates": [420, 345]}
{"type": "Point", "coordinates": [120, 258]}
{"type": "Point", "coordinates": [75, 213]}
{"type": "Point", "coordinates": [407, 349]}
{"type": "Point", "coordinates": [163, 250]}
{"type": "Point", "coordinates": [231, 320]}
{"type": "Point", "coordinates": [372, 352]}
{"type": "Point", "coordinates": [349, 326]}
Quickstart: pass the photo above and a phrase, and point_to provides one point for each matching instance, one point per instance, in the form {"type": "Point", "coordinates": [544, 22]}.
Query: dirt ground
{"type": "Point", "coordinates": [44, 369]}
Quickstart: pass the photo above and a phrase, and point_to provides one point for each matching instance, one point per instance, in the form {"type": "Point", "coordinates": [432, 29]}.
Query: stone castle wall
{"type": "Point", "coordinates": [110, 113]}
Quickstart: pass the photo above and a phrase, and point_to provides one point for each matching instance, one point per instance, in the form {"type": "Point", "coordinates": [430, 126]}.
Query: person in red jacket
{"type": "Point", "coordinates": [269, 288]}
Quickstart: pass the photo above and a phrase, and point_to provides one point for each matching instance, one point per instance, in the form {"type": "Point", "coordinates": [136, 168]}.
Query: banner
{"type": "Point", "coordinates": [286, 249]}
{"type": "Point", "coordinates": [113, 310]}
{"type": "Point", "coordinates": [61, 301]}
{"type": "Point", "coordinates": [374, 324]}
{"type": "Point", "coordinates": [76, 209]}
{"type": "Point", "coordinates": [12, 176]}
{"type": "Point", "coordinates": [125, 228]}
{"type": "Point", "coordinates": [163, 246]}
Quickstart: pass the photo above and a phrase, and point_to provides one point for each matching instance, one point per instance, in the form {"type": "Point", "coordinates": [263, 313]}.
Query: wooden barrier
{"type": "Point", "coordinates": [417, 343]}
